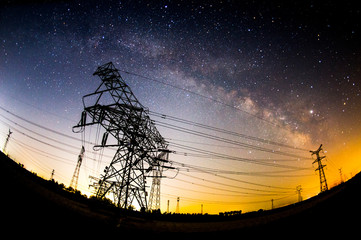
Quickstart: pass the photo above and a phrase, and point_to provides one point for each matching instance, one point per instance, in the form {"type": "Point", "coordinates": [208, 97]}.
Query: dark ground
{"type": "Point", "coordinates": [33, 207]}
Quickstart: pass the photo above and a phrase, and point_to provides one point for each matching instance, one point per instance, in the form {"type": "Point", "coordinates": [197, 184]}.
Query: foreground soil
{"type": "Point", "coordinates": [31, 206]}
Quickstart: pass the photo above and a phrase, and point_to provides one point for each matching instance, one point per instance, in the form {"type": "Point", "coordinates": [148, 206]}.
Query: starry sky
{"type": "Point", "coordinates": [282, 71]}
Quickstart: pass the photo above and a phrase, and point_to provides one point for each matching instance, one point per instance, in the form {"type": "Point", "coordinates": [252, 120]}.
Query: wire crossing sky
{"type": "Point", "coordinates": [241, 91]}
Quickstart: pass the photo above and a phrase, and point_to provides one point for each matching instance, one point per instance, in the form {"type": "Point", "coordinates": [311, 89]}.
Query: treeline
{"type": "Point", "coordinates": [230, 213]}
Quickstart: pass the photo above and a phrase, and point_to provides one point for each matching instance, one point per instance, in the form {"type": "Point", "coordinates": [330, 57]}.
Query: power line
{"type": "Point", "coordinates": [36, 133]}
{"type": "Point", "coordinates": [236, 134]}
{"type": "Point", "coordinates": [29, 157]}
{"type": "Point", "coordinates": [234, 193]}
{"type": "Point", "coordinates": [24, 146]}
{"type": "Point", "coordinates": [74, 152]}
{"type": "Point", "coordinates": [227, 202]}
{"type": "Point", "coordinates": [47, 129]}
{"type": "Point", "coordinates": [177, 145]}
{"type": "Point", "coordinates": [240, 187]}
{"type": "Point", "coordinates": [40, 126]}
{"type": "Point", "coordinates": [222, 189]}
{"type": "Point", "coordinates": [230, 172]}
{"type": "Point", "coordinates": [49, 144]}
{"type": "Point", "coordinates": [202, 96]}
{"type": "Point", "coordinates": [224, 140]}
{"type": "Point", "coordinates": [210, 171]}
{"type": "Point", "coordinates": [197, 133]}
{"type": "Point", "coordinates": [230, 147]}
{"type": "Point", "coordinates": [233, 158]}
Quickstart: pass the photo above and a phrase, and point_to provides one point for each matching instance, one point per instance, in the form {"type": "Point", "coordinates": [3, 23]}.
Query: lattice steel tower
{"type": "Point", "coordinates": [140, 147]}
{"type": "Point", "coordinates": [74, 179]}
{"type": "Point", "coordinates": [154, 198]}
{"type": "Point", "coordinates": [323, 181]}
{"type": "Point", "coordinates": [6, 141]}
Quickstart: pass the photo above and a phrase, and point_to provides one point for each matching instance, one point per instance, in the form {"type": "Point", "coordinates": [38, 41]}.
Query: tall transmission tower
{"type": "Point", "coordinates": [323, 181]}
{"type": "Point", "coordinates": [298, 191]}
{"type": "Point", "coordinates": [52, 175]}
{"type": "Point", "coordinates": [127, 126]}
{"type": "Point", "coordinates": [154, 198]}
{"type": "Point", "coordinates": [340, 171]}
{"type": "Point", "coordinates": [177, 208]}
{"type": "Point", "coordinates": [74, 179]}
{"type": "Point", "coordinates": [7, 140]}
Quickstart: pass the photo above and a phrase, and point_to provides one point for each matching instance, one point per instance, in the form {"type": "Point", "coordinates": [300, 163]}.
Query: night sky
{"type": "Point", "coordinates": [288, 72]}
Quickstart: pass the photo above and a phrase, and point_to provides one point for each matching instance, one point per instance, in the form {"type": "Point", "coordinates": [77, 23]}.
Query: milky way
{"type": "Point", "coordinates": [288, 72]}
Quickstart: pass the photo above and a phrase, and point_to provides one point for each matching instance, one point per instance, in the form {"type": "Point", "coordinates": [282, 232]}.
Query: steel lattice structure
{"type": "Point", "coordinates": [323, 181]}
{"type": "Point", "coordinates": [74, 179]}
{"type": "Point", "coordinates": [154, 198]}
{"type": "Point", "coordinates": [141, 150]}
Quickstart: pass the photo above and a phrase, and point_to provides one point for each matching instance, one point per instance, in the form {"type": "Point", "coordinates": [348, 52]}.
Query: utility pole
{"type": "Point", "coordinates": [168, 206]}
{"type": "Point", "coordinates": [74, 179]}
{"type": "Point", "coordinates": [272, 203]}
{"type": "Point", "coordinates": [7, 140]}
{"type": "Point", "coordinates": [201, 209]}
{"type": "Point", "coordinates": [298, 191]}
{"type": "Point", "coordinates": [177, 208]}
{"type": "Point", "coordinates": [323, 181]}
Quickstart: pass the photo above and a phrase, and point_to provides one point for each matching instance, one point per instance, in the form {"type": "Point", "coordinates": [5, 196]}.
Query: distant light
{"type": "Point", "coordinates": [311, 111]}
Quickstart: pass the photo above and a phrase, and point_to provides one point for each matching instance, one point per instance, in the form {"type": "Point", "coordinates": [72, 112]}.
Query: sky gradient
{"type": "Point", "coordinates": [287, 73]}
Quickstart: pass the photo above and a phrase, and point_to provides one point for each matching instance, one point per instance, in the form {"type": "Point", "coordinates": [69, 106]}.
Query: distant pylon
{"type": "Point", "coordinates": [74, 179]}
{"type": "Point", "coordinates": [323, 181]}
{"type": "Point", "coordinates": [298, 191]}
{"type": "Point", "coordinates": [177, 208]}
{"type": "Point", "coordinates": [340, 171]}
{"type": "Point", "coordinates": [52, 175]}
{"type": "Point", "coordinates": [154, 198]}
{"type": "Point", "coordinates": [7, 140]}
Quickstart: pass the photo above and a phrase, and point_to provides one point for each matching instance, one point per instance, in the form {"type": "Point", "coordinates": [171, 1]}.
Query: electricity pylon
{"type": "Point", "coordinates": [139, 144]}
{"type": "Point", "coordinates": [74, 179]}
{"type": "Point", "coordinates": [154, 198]}
{"type": "Point", "coordinates": [340, 171]}
{"type": "Point", "coordinates": [7, 140]}
{"type": "Point", "coordinates": [177, 208]}
{"type": "Point", "coordinates": [323, 181]}
{"type": "Point", "coordinates": [52, 175]}
{"type": "Point", "coordinates": [298, 191]}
